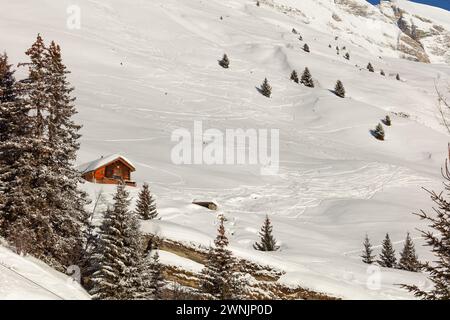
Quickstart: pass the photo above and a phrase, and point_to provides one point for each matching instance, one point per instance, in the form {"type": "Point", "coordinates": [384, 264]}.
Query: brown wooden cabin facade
{"type": "Point", "coordinates": [110, 170]}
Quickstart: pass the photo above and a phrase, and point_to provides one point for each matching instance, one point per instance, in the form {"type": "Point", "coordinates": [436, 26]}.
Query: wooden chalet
{"type": "Point", "coordinates": [112, 169]}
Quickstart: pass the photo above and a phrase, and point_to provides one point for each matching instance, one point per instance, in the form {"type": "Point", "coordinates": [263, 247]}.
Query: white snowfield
{"type": "Point", "coordinates": [26, 278]}
{"type": "Point", "coordinates": [145, 68]}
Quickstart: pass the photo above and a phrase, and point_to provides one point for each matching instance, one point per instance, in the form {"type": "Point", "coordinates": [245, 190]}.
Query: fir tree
{"type": "Point", "coordinates": [367, 256]}
{"type": "Point", "coordinates": [339, 89]}
{"type": "Point", "coordinates": [294, 76]}
{"type": "Point", "coordinates": [219, 278]}
{"type": "Point", "coordinates": [13, 124]}
{"type": "Point", "coordinates": [347, 56]}
{"type": "Point", "coordinates": [266, 89]}
{"type": "Point", "coordinates": [307, 79]}
{"type": "Point", "coordinates": [408, 258]}
{"type": "Point", "coordinates": [65, 199]}
{"type": "Point", "coordinates": [387, 120]}
{"type": "Point", "coordinates": [370, 67]}
{"type": "Point", "coordinates": [267, 241]}
{"type": "Point", "coordinates": [225, 62]}
{"type": "Point", "coordinates": [157, 279]}
{"type": "Point", "coordinates": [397, 77]}
{"type": "Point", "coordinates": [439, 242]}
{"type": "Point", "coordinates": [26, 172]}
{"type": "Point", "coordinates": [7, 80]}
{"type": "Point", "coordinates": [146, 205]}
{"type": "Point", "coordinates": [306, 48]}
{"type": "Point", "coordinates": [8, 95]}
{"type": "Point", "coordinates": [387, 256]}
{"type": "Point", "coordinates": [378, 132]}
{"type": "Point", "coordinates": [118, 257]}
{"type": "Point", "coordinates": [294, 31]}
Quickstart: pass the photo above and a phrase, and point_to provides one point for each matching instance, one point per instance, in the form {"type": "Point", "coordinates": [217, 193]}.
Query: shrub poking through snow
{"type": "Point", "coordinates": [397, 77]}
{"type": "Point", "coordinates": [370, 67]}
{"type": "Point", "coordinates": [378, 132]}
{"type": "Point", "coordinates": [266, 89]}
{"type": "Point", "coordinates": [307, 79]}
{"type": "Point", "coordinates": [306, 48]}
{"type": "Point", "coordinates": [387, 256]}
{"type": "Point", "coordinates": [300, 38]}
{"type": "Point", "coordinates": [387, 121]}
{"type": "Point", "coordinates": [294, 31]}
{"type": "Point", "coordinates": [408, 258]}
{"type": "Point", "coordinates": [382, 73]}
{"type": "Point", "coordinates": [267, 241]}
{"type": "Point", "coordinates": [294, 76]}
{"type": "Point", "coordinates": [367, 256]}
{"type": "Point", "coordinates": [225, 62]}
{"type": "Point", "coordinates": [339, 89]}
{"type": "Point", "coordinates": [347, 56]}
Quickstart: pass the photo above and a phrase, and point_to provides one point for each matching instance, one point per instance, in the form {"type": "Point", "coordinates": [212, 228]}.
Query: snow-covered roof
{"type": "Point", "coordinates": [103, 161]}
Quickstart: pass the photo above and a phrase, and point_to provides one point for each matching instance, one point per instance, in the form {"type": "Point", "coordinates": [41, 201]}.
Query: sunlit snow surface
{"type": "Point", "coordinates": [145, 68]}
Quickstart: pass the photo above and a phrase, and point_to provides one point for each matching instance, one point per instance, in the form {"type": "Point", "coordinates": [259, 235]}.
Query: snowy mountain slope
{"type": "Point", "coordinates": [26, 278]}
{"type": "Point", "coordinates": [145, 68]}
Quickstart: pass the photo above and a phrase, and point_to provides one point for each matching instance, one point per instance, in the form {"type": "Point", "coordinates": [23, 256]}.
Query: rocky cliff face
{"type": "Point", "coordinates": [422, 37]}
{"type": "Point", "coordinates": [396, 28]}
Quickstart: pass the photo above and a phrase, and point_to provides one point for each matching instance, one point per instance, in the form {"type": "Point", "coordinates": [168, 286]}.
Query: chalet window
{"type": "Point", "coordinates": [117, 171]}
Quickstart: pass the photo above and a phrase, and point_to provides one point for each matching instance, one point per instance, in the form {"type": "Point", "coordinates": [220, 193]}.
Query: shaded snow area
{"type": "Point", "coordinates": [28, 279]}
{"type": "Point", "coordinates": [143, 69]}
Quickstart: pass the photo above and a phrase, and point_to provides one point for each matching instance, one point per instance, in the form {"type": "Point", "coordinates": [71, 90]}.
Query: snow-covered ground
{"type": "Point", "coordinates": [26, 278]}
{"type": "Point", "coordinates": [145, 68]}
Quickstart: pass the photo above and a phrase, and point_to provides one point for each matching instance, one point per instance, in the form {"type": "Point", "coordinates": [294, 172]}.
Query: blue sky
{"type": "Point", "coordinates": [437, 3]}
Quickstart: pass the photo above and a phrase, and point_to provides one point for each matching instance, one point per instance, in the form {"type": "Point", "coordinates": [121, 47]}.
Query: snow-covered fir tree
{"type": "Point", "coordinates": [382, 73]}
{"type": "Point", "coordinates": [438, 239]}
{"type": "Point", "coordinates": [294, 76]}
{"type": "Point", "coordinates": [387, 257]}
{"type": "Point", "coordinates": [15, 162]}
{"type": "Point", "coordinates": [121, 271]}
{"type": "Point", "coordinates": [378, 132]}
{"type": "Point", "coordinates": [219, 278]}
{"type": "Point", "coordinates": [408, 258]}
{"type": "Point", "coordinates": [387, 120]}
{"type": "Point", "coordinates": [307, 79]}
{"type": "Point", "coordinates": [224, 62]}
{"type": "Point", "coordinates": [370, 67]}
{"type": "Point", "coordinates": [347, 56]}
{"type": "Point", "coordinates": [157, 279]}
{"type": "Point", "coordinates": [397, 77]}
{"type": "Point", "coordinates": [339, 89]}
{"type": "Point", "coordinates": [266, 89]}
{"type": "Point", "coordinates": [8, 95]}
{"type": "Point", "coordinates": [146, 204]}
{"type": "Point", "coordinates": [267, 241]}
{"type": "Point", "coordinates": [367, 256]}
{"type": "Point", "coordinates": [66, 200]}
{"type": "Point", "coordinates": [43, 210]}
